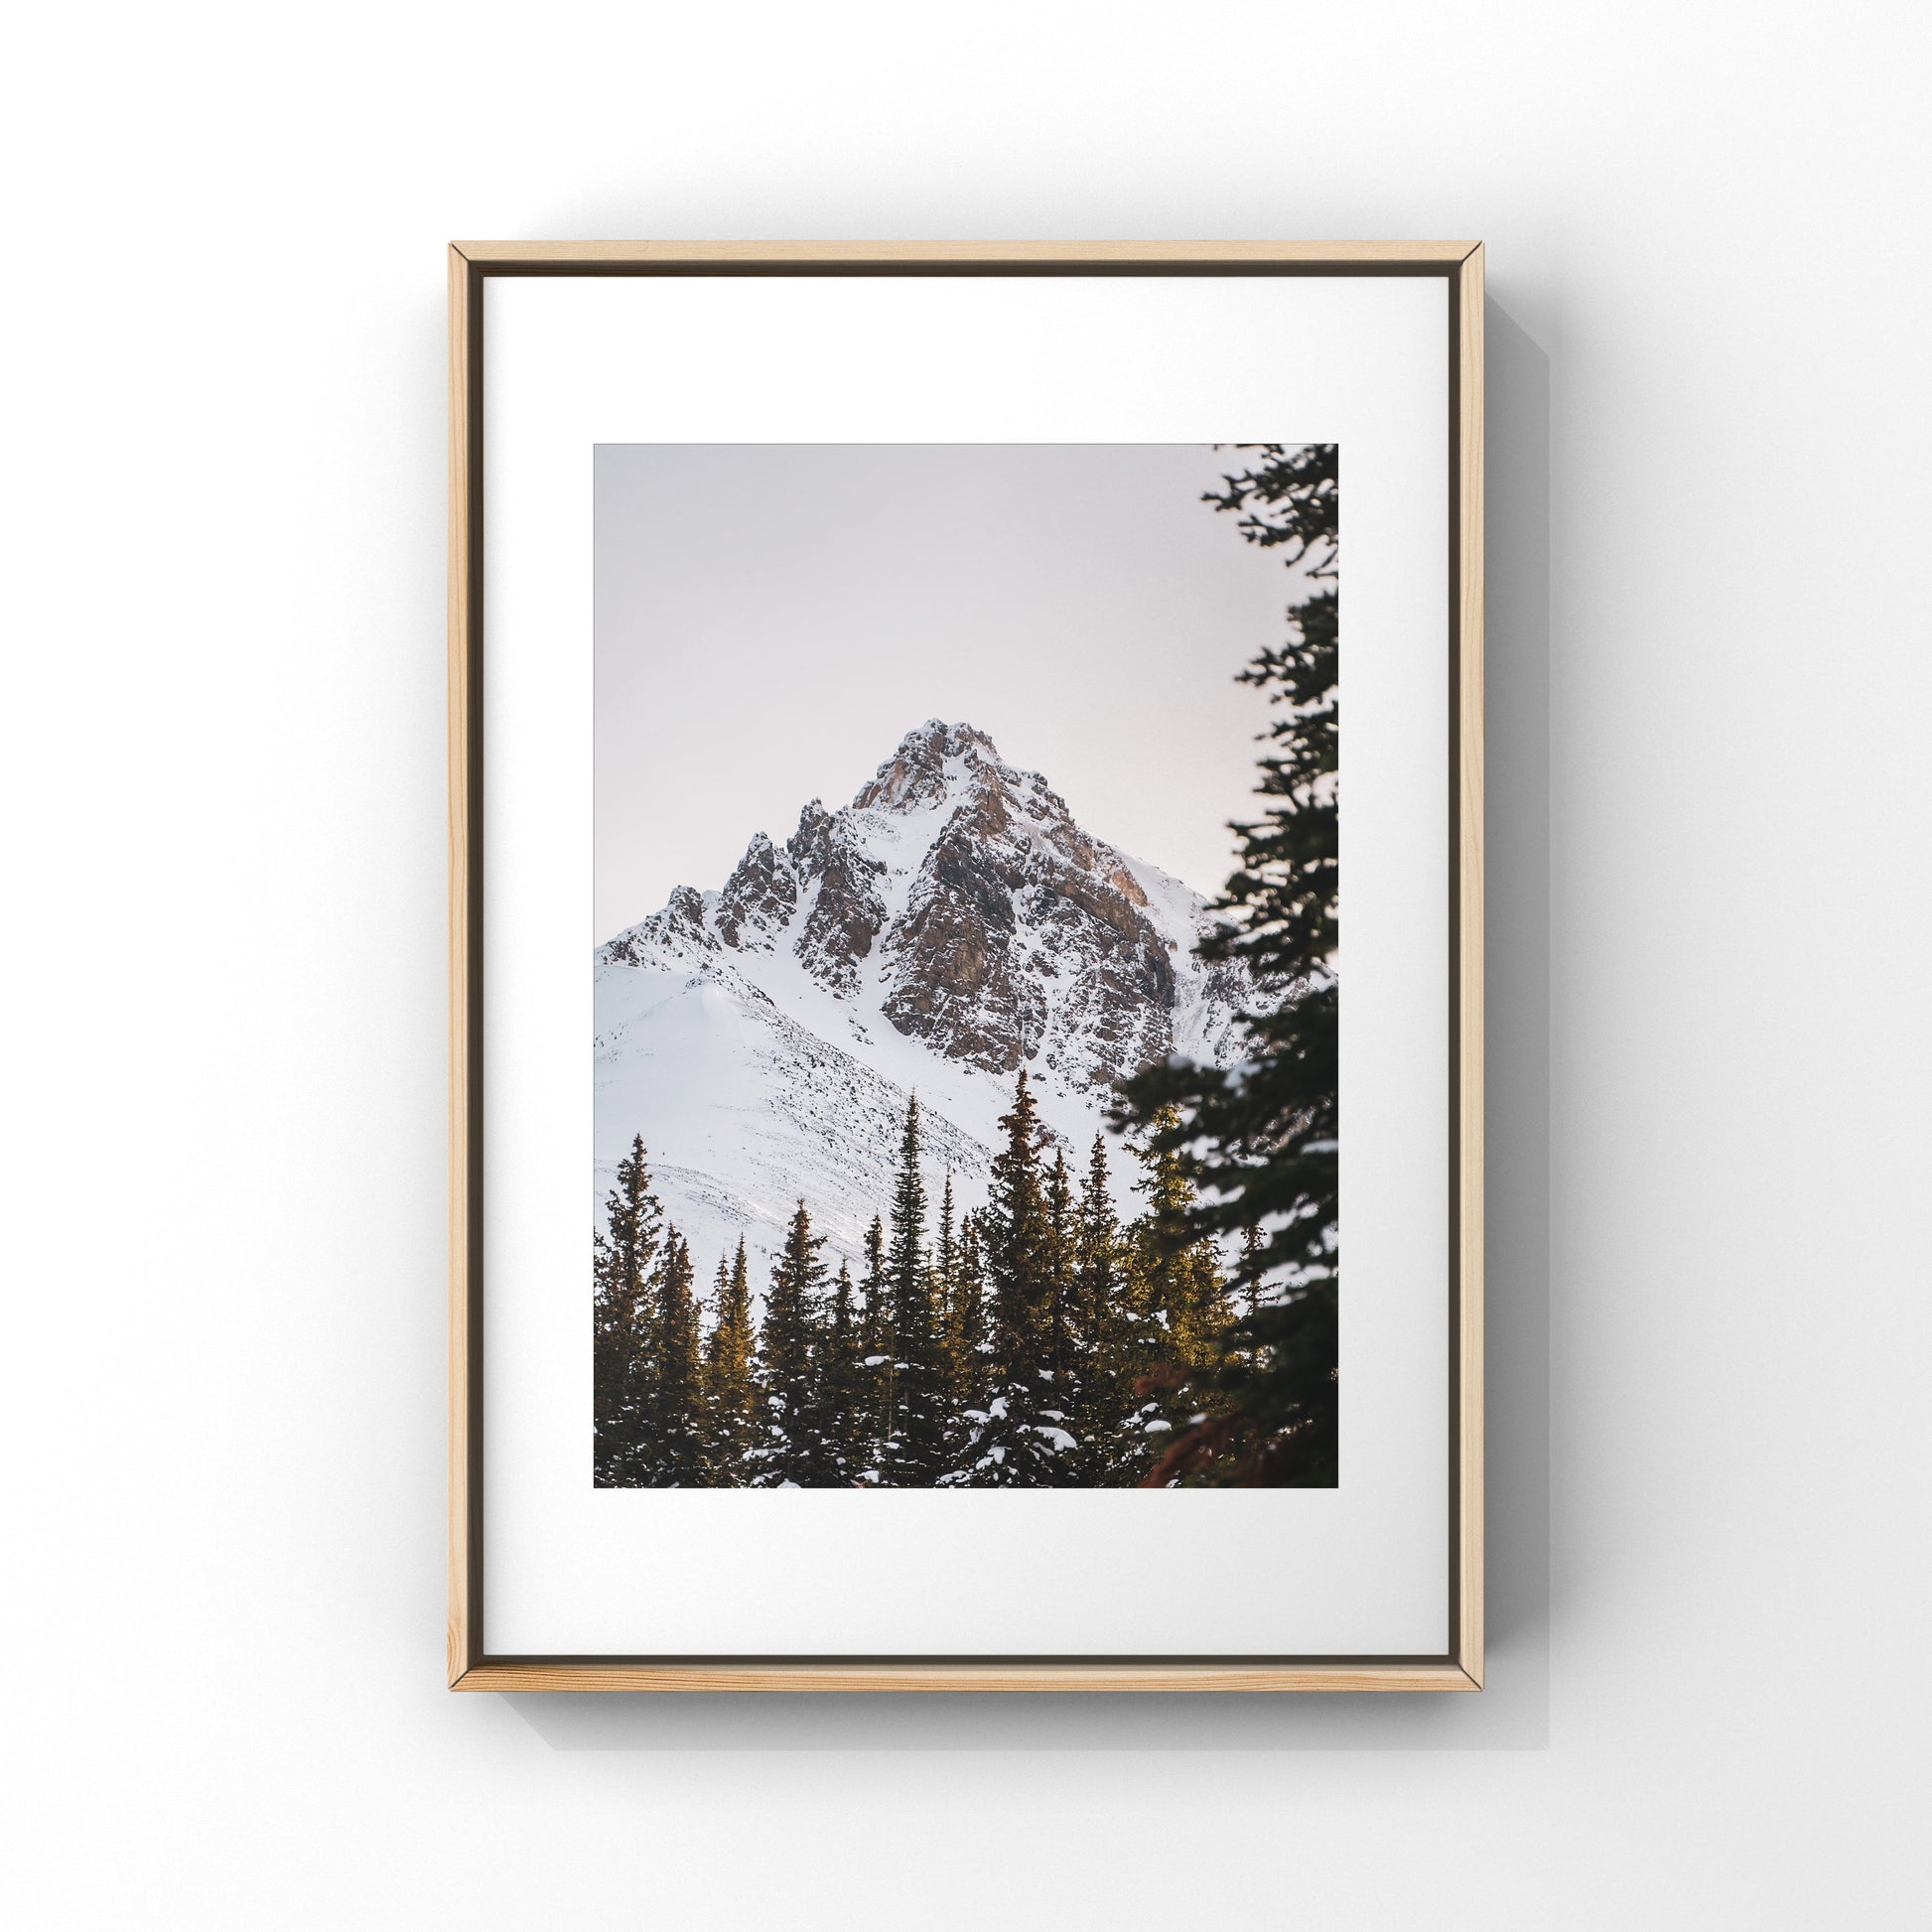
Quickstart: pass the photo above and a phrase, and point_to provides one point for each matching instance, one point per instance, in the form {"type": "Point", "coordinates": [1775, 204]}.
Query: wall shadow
{"type": "Point", "coordinates": [1513, 1713]}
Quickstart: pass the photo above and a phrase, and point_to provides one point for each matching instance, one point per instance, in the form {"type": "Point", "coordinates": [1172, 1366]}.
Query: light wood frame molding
{"type": "Point", "coordinates": [1459, 264]}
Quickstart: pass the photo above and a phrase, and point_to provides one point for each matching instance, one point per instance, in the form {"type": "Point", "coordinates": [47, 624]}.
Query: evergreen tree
{"type": "Point", "coordinates": [1251, 1244]}
{"type": "Point", "coordinates": [1262, 1147]}
{"type": "Point", "coordinates": [877, 1382]}
{"type": "Point", "coordinates": [945, 1288]}
{"type": "Point", "coordinates": [842, 1418]}
{"type": "Point", "coordinates": [675, 1438]}
{"type": "Point", "coordinates": [916, 1448]}
{"type": "Point", "coordinates": [1180, 1264]}
{"type": "Point", "coordinates": [1061, 1348]}
{"type": "Point", "coordinates": [728, 1392]}
{"type": "Point", "coordinates": [969, 1309]}
{"type": "Point", "coordinates": [1177, 1313]}
{"type": "Point", "coordinates": [1108, 1319]}
{"type": "Point", "coordinates": [958, 1295]}
{"type": "Point", "coordinates": [1010, 1441]}
{"type": "Point", "coordinates": [967, 1346]}
{"type": "Point", "coordinates": [623, 1265]}
{"type": "Point", "coordinates": [790, 1448]}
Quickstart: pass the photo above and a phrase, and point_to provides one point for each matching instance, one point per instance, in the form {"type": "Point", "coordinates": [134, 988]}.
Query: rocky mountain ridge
{"type": "Point", "coordinates": [992, 927]}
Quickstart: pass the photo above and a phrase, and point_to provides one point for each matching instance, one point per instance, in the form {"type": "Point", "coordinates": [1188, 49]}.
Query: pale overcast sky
{"type": "Point", "coordinates": [772, 620]}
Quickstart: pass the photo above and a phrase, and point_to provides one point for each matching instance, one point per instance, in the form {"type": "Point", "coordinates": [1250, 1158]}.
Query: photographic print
{"type": "Point", "coordinates": [966, 973]}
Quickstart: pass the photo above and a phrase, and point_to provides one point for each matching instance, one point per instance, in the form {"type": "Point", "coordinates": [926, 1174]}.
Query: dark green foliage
{"type": "Point", "coordinates": [1175, 1314]}
{"type": "Point", "coordinates": [1059, 1334]}
{"type": "Point", "coordinates": [1179, 1268]}
{"type": "Point", "coordinates": [968, 1324]}
{"type": "Point", "coordinates": [1037, 1342]}
{"type": "Point", "coordinates": [967, 1346]}
{"type": "Point", "coordinates": [876, 1381]}
{"type": "Point", "coordinates": [676, 1443]}
{"type": "Point", "coordinates": [1261, 1149]}
{"type": "Point", "coordinates": [1062, 1346]}
{"type": "Point", "coordinates": [1010, 1440]}
{"type": "Point", "coordinates": [1018, 1237]}
{"type": "Point", "coordinates": [945, 1288]}
{"type": "Point", "coordinates": [840, 1415]}
{"type": "Point", "coordinates": [1117, 1338]}
{"type": "Point", "coordinates": [918, 1426]}
{"type": "Point", "coordinates": [623, 1267]}
{"type": "Point", "coordinates": [791, 1449]}
{"type": "Point", "coordinates": [731, 1418]}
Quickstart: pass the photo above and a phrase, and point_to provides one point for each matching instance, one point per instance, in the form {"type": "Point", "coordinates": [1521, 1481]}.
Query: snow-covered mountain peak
{"type": "Point", "coordinates": [957, 900]}
{"type": "Point", "coordinates": [950, 925]}
{"type": "Point", "coordinates": [934, 761]}
{"type": "Point", "coordinates": [940, 764]}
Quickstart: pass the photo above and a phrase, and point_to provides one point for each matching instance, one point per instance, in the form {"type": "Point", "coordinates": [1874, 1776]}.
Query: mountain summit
{"type": "Point", "coordinates": [949, 925]}
{"type": "Point", "coordinates": [958, 891]}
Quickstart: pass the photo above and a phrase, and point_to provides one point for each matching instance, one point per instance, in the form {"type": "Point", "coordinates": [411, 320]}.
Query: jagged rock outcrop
{"type": "Point", "coordinates": [759, 899]}
{"type": "Point", "coordinates": [680, 930]}
{"type": "Point", "coordinates": [844, 911]}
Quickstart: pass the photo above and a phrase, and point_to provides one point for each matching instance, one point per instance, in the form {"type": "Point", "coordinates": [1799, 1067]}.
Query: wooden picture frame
{"type": "Point", "coordinates": [472, 1665]}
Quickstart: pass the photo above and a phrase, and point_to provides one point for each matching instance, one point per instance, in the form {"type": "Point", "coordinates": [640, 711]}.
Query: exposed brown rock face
{"type": "Point", "coordinates": [759, 899]}
{"type": "Point", "coordinates": [957, 898]}
{"type": "Point", "coordinates": [1020, 936]}
{"type": "Point", "coordinates": [845, 911]}
{"type": "Point", "coordinates": [822, 869]}
{"type": "Point", "coordinates": [1023, 938]}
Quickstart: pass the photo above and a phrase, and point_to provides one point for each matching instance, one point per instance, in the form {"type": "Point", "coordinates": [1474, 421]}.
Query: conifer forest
{"type": "Point", "coordinates": [1046, 1337]}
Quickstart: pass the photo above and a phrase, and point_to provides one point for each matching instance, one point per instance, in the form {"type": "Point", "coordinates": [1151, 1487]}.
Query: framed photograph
{"type": "Point", "coordinates": [953, 937]}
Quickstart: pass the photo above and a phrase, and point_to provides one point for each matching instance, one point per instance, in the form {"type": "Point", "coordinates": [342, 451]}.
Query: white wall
{"type": "Point", "coordinates": [224, 1355]}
